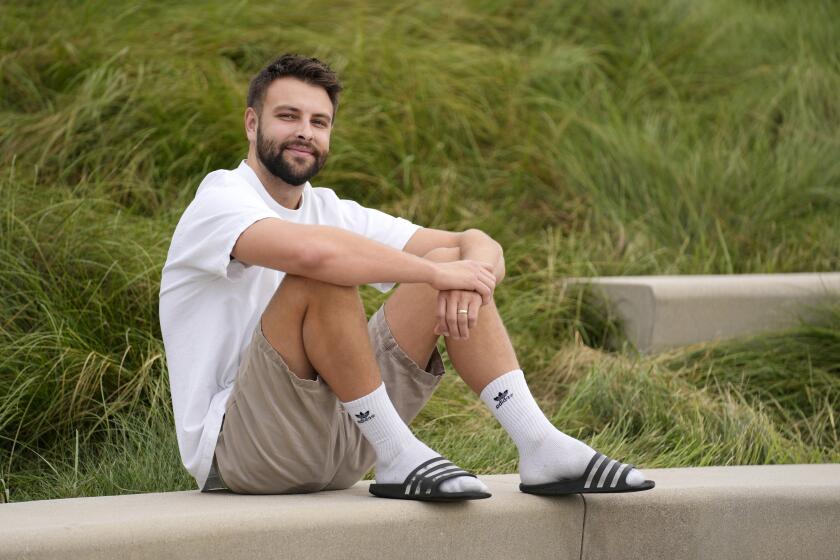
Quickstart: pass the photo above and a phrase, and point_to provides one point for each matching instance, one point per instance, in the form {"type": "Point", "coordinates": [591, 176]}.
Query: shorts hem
{"type": "Point", "coordinates": [429, 376]}
{"type": "Point", "coordinates": [315, 386]}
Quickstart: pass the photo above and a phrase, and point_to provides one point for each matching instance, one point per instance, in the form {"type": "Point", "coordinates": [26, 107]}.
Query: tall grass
{"type": "Point", "coordinates": [597, 138]}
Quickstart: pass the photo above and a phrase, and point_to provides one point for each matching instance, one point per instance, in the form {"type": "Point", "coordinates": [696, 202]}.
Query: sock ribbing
{"type": "Point", "coordinates": [511, 402]}
{"type": "Point", "coordinates": [380, 423]}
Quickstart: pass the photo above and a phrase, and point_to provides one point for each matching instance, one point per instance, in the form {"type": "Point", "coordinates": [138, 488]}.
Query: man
{"type": "Point", "coordinates": [278, 385]}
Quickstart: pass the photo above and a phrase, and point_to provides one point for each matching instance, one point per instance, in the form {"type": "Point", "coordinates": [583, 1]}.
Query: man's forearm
{"type": "Point", "coordinates": [345, 258]}
{"type": "Point", "coordinates": [339, 256]}
{"type": "Point", "coordinates": [478, 246]}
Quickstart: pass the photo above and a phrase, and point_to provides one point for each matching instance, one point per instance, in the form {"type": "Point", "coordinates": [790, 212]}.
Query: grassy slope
{"type": "Point", "coordinates": [614, 138]}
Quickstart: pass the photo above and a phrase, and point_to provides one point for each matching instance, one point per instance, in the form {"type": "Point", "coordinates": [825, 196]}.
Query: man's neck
{"type": "Point", "coordinates": [285, 194]}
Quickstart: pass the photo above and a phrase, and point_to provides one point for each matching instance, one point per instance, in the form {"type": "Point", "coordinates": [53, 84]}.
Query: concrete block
{"type": "Point", "coordinates": [340, 524]}
{"type": "Point", "coordinates": [662, 312]}
{"type": "Point", "coordinates": [768, 512]}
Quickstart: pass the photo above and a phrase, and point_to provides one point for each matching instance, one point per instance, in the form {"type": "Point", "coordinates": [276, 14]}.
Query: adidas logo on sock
{"type": "Point", "coordinates": [365, 416]}
{"type": "Point", "coordinates": [502, 398]}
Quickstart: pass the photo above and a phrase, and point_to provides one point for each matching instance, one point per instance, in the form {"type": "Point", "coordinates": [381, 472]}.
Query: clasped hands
{"type": "Point", "coordinates": [458, 307]}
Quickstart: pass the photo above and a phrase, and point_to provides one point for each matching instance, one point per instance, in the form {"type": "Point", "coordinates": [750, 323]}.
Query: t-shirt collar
{"type": "Point", "coordinates": [245, 171]}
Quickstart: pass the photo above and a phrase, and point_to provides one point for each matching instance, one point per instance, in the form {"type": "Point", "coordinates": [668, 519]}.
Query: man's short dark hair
{"type": "Point", "coordinates": [309, 70]}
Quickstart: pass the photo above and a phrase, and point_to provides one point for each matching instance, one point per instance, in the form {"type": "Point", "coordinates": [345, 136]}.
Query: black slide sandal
{"type": "Point", "coordinates": [602, 475]}
{"type": "Point", "coordinates": [423, 484]}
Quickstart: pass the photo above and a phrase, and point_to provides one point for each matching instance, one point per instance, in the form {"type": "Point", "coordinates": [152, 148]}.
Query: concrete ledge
{"type": "Point", "coordinates": [661, 312]}
{"type": "Point", "coordinates": [784, 511]}
{"type": "Point", "coordinates": [767, 512]}
{"type": "Point", "coordinates": [341, 524]}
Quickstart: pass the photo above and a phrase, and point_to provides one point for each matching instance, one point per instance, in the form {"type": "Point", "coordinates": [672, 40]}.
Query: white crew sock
{"type": "Point", "coordinates": [545, 453]}
{"type": "Point", "coordinates": [398, 452]}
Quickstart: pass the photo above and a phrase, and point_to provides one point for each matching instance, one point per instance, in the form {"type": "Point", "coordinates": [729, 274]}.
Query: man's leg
{"type": "Point", "coordinates": [320, 329]}
{"type": "Point", "coordinates": [279, 403]}
{"type": "Point", "coordinates": [487, 363]}
{"type": "Point", "coordinates": [410, 312]}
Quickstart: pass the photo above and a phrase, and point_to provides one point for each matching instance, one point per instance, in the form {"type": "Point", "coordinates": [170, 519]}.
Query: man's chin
{"type": "Point", "coordinates": [296, 180]}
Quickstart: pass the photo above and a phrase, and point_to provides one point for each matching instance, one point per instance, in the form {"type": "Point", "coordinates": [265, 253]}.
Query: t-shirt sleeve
{"type": "Point", "coordinates": [211, 225]}
{"type": "Point", "coordinates": [379, 226]}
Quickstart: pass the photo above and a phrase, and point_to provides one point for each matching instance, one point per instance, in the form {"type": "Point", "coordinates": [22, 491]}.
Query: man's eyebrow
{"type": "Point", "coordinates": [294, 109]}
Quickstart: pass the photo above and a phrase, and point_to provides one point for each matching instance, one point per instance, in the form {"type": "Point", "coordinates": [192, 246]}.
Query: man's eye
{"type": "Point", "coordinates": [322, 124]}
{"type": "Point", "coordinates": [286, 116]}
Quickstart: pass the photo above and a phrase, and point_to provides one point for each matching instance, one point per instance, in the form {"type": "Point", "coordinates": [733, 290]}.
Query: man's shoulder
{"type": "Point", "coordinates": [222, 178]}
{"type": "Point", "coordinates": [225, 188]}
{"type": "Point", "coordinates": [220, 193]}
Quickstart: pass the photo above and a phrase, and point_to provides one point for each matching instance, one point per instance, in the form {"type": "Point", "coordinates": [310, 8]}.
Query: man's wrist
{"type": "Point", "coordinates": [429, 274]}
{"type": "Point", "coordinates": [412, 269]}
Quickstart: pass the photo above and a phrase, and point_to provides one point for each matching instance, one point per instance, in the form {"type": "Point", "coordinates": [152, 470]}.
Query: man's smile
{"type": "Point", "coordinates": [300, 151]}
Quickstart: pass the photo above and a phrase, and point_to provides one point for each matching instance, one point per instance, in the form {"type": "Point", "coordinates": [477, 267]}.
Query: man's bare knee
{"type": "Point", "coordinates": [298, 297]}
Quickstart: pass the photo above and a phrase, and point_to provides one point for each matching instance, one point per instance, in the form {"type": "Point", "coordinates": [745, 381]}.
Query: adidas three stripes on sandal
{"type": "Point", "coordinates": [423, 483]}
{"type": "Point", "coordinates": [601, 475]}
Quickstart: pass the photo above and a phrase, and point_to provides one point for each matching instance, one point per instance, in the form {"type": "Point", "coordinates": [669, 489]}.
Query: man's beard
{"type": "Point", "coordinates": [271, 156]}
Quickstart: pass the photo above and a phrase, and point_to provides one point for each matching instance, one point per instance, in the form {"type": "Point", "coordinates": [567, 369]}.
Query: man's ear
{"type": "Point", "coordinates": [251, 122]}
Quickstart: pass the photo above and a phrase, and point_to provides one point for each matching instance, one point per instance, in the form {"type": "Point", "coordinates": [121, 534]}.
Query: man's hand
{"type": "Point", "coordinates": [453, 296]}
{"type": "Point", "coordinates": [452, 323]}
{"type": "Point", "coordinates": [475, 245]}
{"type": "Point", "coordinates": [458, 308]}
{"type": "Point", "coordinates": [465, 275]}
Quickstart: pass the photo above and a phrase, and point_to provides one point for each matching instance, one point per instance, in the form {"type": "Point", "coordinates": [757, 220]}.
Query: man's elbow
{"type": "Point", "coordinates": [499, 269]}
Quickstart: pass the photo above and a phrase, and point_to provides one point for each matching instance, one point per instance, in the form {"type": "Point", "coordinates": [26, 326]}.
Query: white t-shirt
{"type": "Point", "coordinates": [210, 303]}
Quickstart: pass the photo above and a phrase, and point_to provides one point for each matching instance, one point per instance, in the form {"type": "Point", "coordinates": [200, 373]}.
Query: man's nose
{"type": "Point", "coordinates": [305, 131]}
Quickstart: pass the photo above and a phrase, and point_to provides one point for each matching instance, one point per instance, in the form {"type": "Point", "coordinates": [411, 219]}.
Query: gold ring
{"type": "Point", "coordinates": [463, 311]}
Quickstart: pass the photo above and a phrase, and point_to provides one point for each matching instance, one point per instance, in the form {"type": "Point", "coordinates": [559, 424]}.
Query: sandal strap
{"type": "Point", "coordinates": [609, 474]}
{"type": "Point", "coordinates": [595, 463]}
{"type": "Point", "coordinates": [443, 478]}
{"type": "Point", "coordinates": [621, 472]}
{"type": "Point", "coordinates": [424, 479]}
{"type": "Point", "coordinates": [623, 480]}
{"type": "Point", "coordinates": [602, 471]}
{"type": "Point", "coordinates": [423, 465]}
{"type": "Point", "coordinates": [428, 476]}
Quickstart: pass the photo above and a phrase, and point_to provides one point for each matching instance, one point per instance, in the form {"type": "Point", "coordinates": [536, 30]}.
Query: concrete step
{"type": "Point", "coordinates": [663, 312]}
{"type": "Point", "coordinates": [768, 512]}
{"type": "Point", "coordinates": [763, 512]}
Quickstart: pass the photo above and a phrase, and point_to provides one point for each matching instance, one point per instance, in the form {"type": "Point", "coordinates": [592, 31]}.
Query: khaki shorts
{"type": "Point", "coordinates": [283, 434]}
